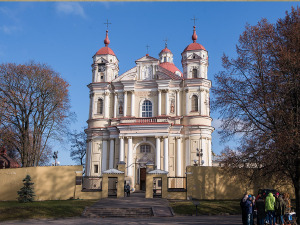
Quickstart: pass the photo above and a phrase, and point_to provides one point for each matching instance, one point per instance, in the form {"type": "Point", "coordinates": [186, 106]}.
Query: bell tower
{"type": "Point", "coordinates": [194, 59]}
{"type": "Point", "coordinates": [105, 64]}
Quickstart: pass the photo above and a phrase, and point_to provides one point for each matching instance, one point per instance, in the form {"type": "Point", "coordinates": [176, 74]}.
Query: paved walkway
{"type": "Point", "coordinates": [202, 220]}
{"type": "Point", "coordinates": [136, 200]}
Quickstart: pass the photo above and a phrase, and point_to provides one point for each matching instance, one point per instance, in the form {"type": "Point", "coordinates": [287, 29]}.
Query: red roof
{"type": "Point", "coordinates": [170, 66]}
{"type": "Point", "coordinates": [165, 50]}
{"type": "Point", "coordinates": [194, 46]}
{"type": "Point", "coordinates": [105, 51]}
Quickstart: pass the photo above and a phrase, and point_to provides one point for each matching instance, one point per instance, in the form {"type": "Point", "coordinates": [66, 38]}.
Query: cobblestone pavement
{"type": "Point", "coordinates": [217, 220]}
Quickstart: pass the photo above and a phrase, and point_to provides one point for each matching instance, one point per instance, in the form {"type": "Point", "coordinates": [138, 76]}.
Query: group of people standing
{"type": "Point", "coordinates": [267, 208]}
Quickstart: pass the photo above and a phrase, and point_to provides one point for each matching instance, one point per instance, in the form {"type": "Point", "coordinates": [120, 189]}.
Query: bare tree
{"type": "Point", "coordinates": [35, 105]}
{"type": "Point", "coordinates": [258, 97]}
{"type": "Point", "coordinates": [78, 146]}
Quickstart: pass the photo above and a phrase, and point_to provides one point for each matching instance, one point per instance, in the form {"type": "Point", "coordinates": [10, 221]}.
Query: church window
{"type": "Point", "coordinates": [147, 109]}
{"type": "Point", "coordinates": [165, 59]}
{"type": "Point", "coordinates": [194, 103]}
{"type": "Point", "coordinates": [100, 106]}
{"type": "Point", "coordinates": [96, 168]}
{"type": "Point", "coordinates": [145, 149]}
{"type": "Point", "coordinates": [195, 73]}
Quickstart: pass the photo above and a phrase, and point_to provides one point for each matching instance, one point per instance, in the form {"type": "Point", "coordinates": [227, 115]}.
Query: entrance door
{"type": "Point", "coordinates": [143, 179]}
{"type": "Point", "coordinates": [157, 185]}
{"type": "Point", "coordinates": [112, 186]}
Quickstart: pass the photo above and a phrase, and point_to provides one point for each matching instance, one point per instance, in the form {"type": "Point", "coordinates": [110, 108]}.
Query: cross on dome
{"type": "Point", "coordinates": [106, 40]}
{"type": "Point", "coordinates": [166, 42]}
{"type": "Point", "coordinates": [194, 20]}
{"type": "Point", "coordinates": [107, 23]}
{"type": "Point", "coordinates": [147, 46]}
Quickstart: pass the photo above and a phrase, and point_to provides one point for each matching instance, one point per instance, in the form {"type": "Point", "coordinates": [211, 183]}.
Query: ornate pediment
{"type": "Point", "coordinates": [101, 60]}
{"type": "Point", "coordinates": [129, 75]}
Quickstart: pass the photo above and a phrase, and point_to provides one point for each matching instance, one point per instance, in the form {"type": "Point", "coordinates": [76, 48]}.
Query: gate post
{"type": "Point", "coordinates": [104, 185]}
{"type": "Point", "coordinates": [149, 182]}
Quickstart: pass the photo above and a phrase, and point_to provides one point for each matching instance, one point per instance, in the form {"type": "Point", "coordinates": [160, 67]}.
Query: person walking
{"type": "Point", "coordinates": [128, 190]}
{"type": "Point", "coordinates": [260, 207]}
{"type": "Point", "coordinates": [279, 209]}
{"type": "Point", "coordinates": [244, 214]}
{"type": "Point", "coordinates": [249, 210]}
{"type": "Point", "coordinates": [270, 207]}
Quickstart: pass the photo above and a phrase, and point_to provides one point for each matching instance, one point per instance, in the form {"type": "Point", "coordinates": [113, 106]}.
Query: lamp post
{"type": "Point", "coordinates": [55, 156]}
{"type": "Point", "coordinates": [200, 155]}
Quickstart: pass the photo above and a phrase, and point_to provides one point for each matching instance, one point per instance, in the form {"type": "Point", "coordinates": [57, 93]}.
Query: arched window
{"type": "Point", "coordinates": [147, 109]}
{"type": "Point", "coordinates": [100, 106]}
{"type": "Point", "coordinates": [194, 103]}
{"type": "Point", "coordinates": [195, 71]}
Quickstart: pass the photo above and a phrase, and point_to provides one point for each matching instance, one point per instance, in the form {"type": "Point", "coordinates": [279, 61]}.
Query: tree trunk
{"type": "Point", "coordinates": [297, 189]}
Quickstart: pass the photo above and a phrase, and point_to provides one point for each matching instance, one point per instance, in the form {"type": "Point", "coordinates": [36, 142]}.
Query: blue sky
{"type": "Point", "coordinates": [66, 35]}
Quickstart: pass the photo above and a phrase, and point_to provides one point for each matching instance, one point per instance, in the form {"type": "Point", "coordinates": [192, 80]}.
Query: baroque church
{"type": "Point", "coordinates": [152, 114]}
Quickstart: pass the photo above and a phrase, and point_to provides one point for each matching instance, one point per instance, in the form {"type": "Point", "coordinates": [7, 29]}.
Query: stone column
{"type": "Point", "coordinates": [167, 102]}
{"type": "Point", "coordinates": [209, 153]}
{"type": "Point", "coordinates": [106, 105]}
{"type": "Point", "coordinates": [178, 103]}
{"type": "Point", "coordinates": [187, 152]}
{"type": "Point", "coordinates": [125, 104]}
{"type": "Point", "coordinates": [121, 155]}
{"type": "Point", "coordinates": [186, 102]}
{"type": "Point", "coordinates": [157, 158]}
{"type": "Point", "coordinates": [91, 105]}
{"type": "Point", "coordinates": [88, 158]}
{"type": "Point", "coordinates": [115, 105]}
{"type": "Point", "coordinates": [111, 153]}
{"type": "Point", "coordinates": [203, 147]}
{"type": "Point", "coordinates": [207, 103]}
{"type": "Point", "coordinates": [104, 155]}
{"type": "Point", "coordinates": [129, 158]}
{"type": "Point", "coordinates": [202, 100]}
{"type": "Point", "coordinates": [132, 103]}
{"type": "Point", "coordinates": [178, 157]}
{"type": "Point", "coordinates": [159, 103]}
{"type": "Point", "coordinates": [166, 154]}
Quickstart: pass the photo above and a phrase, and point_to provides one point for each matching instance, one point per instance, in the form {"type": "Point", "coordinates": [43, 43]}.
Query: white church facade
{"type": "Point", "coordinates": [153, 113]}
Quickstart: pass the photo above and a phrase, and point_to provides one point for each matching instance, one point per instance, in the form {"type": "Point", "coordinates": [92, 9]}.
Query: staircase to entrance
{"type": "Point", "coordinates": [134, 206]}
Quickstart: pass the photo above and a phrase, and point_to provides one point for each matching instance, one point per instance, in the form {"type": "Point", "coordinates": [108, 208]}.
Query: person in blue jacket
{"type": "Point", "coordinates": [249, 210]}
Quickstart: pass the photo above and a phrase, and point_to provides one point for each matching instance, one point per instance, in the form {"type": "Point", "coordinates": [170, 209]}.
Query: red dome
{"type": "Point", "coordinates": [170, 66]}
{"type": "Point", "coordinates": [194, 46]}
{"type": "Point", "coordinates": [165, 50]}
{"type": "Point", "coordinates": [105, 51]}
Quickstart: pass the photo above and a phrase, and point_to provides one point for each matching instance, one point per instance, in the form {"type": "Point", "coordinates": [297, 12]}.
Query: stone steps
{"type": "Point", "coordinates": [117, 212]}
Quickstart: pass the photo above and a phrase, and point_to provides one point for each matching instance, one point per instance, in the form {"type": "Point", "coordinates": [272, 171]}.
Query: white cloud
{"type": "Point", "coordinates": [9, 29]}
{"type": "Point", "coordinates": [70, 8]}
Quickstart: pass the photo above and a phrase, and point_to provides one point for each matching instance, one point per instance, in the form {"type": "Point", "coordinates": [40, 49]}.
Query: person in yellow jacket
{"type": "Point", "coordinates": [270, 207]}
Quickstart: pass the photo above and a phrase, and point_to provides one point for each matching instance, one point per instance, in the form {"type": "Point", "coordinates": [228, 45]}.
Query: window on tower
{"type": "Point", "coordinates": [147, 109]}
{"type": "Point", "coordinates": [145, 149]}
{"type": "Point", "coordinates": [195, 73]}
{"type": "Point", "coordinates": [100, 106]}
{"type": "Point", "coordinates": [194, 103]}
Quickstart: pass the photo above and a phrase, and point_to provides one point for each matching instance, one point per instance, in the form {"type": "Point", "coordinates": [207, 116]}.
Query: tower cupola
{"type": "Point", "coordinates": [105, 63]}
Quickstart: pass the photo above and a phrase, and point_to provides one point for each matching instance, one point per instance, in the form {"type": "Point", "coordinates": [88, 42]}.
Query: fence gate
{"type": "Point", "coordinates": [157, 187]}
{"type": "Point", "coordinates": [112, 186]}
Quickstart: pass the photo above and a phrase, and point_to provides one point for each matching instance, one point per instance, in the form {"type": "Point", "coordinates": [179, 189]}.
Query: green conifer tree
{"type": "Point", "coordinates": [26, 193]}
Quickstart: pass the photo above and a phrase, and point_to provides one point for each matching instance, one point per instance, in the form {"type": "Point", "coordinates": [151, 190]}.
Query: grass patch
{"type": "Point", "coordinates": [12, 210]}
{"type": "Point", "coordinates": [207, 207]}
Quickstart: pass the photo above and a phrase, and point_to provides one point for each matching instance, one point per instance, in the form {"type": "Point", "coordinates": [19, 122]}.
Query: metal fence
{"type": "Point", "coordinates": [92, 183]}
{"type": "Point", "coordinates": [176, 183]}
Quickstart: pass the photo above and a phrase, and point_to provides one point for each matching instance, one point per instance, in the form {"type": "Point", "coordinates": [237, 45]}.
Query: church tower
{"type": "Point", "coordinates": [194, 59]}
{"type": "Point", "coordinates": [197, 110]}
{"type": "Point", "coordinates": [105, 64]}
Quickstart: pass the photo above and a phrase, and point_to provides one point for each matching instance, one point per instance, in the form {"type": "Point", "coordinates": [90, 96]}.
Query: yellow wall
{"type": "Point", "coordinates": [213, 183]}
{"type": "Point", "coordinates": [50, 182]}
